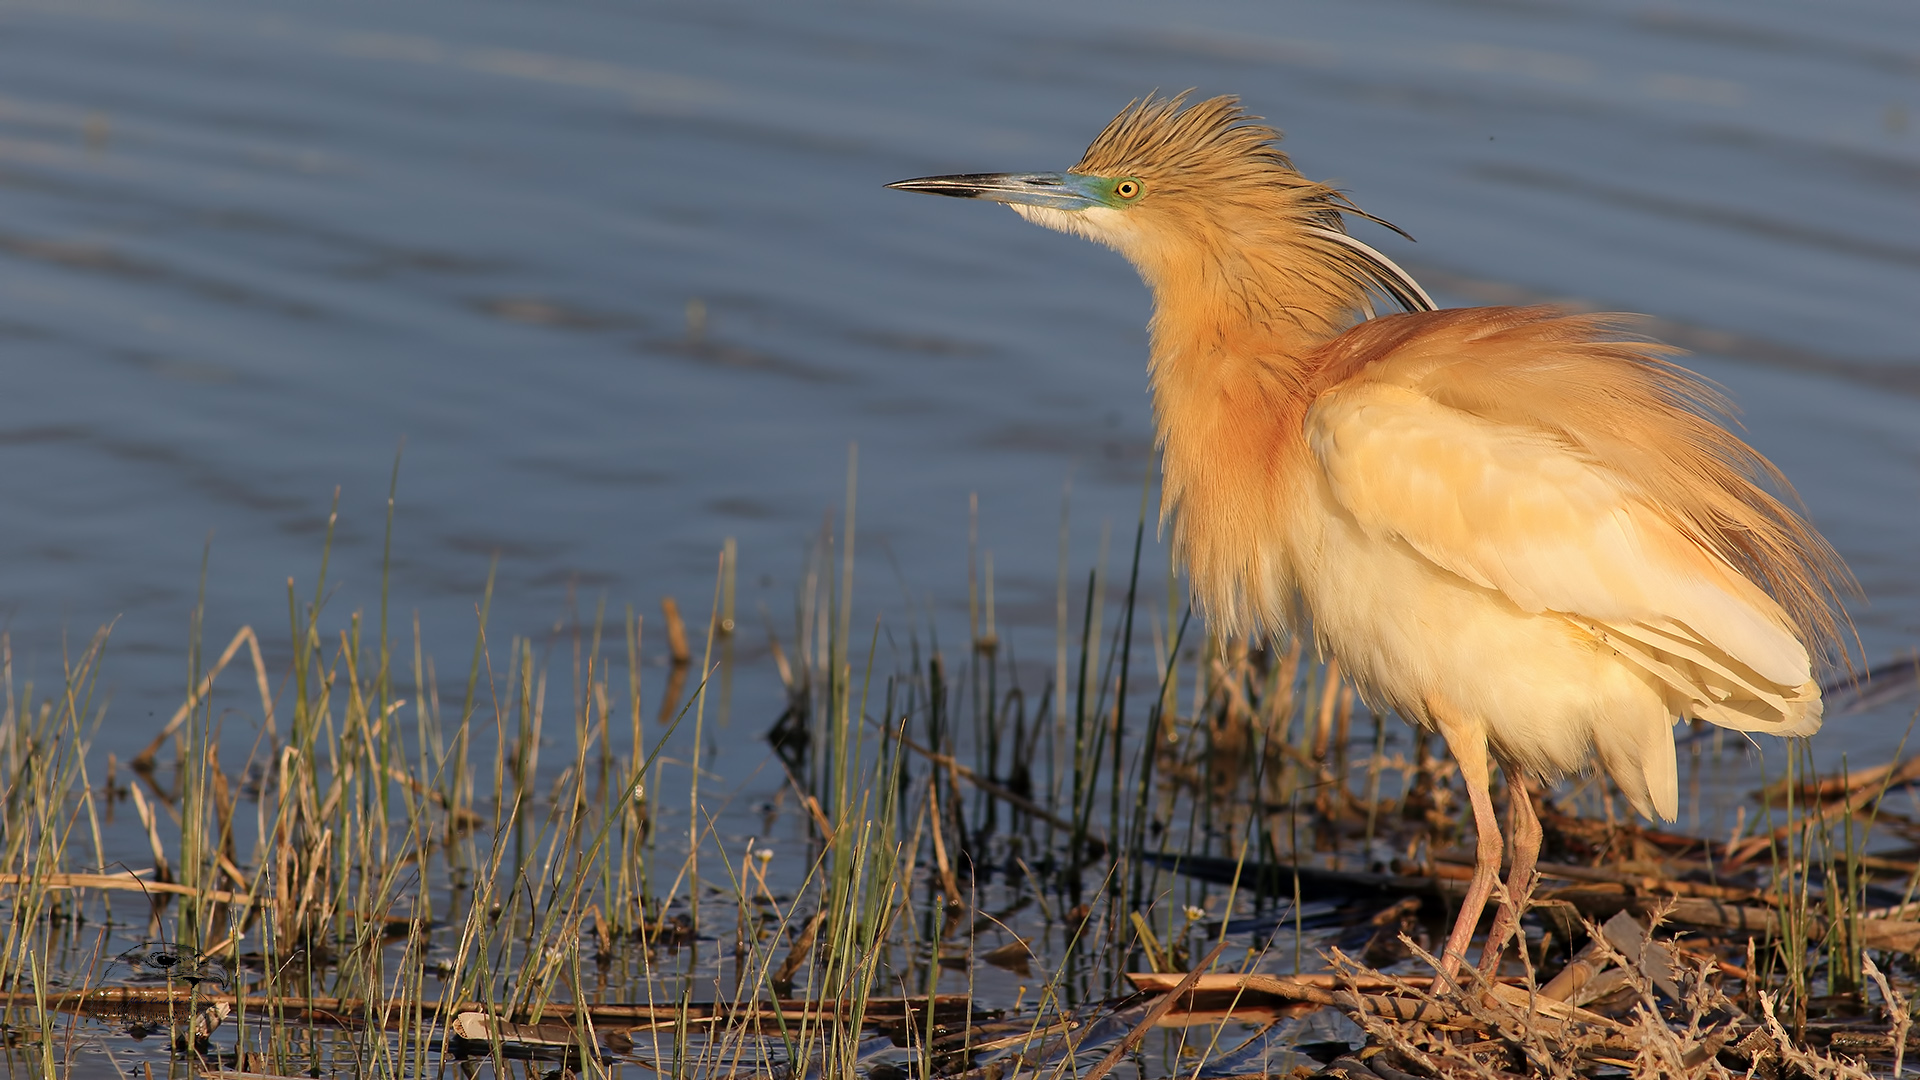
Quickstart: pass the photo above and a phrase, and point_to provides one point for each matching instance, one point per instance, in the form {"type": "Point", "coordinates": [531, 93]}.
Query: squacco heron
{"type": "Point", "coordinates": [1526, 530]}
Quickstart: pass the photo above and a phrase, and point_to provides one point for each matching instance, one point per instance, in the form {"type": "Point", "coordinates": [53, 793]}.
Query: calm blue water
{"type": "Point", "coordinates": [246, 249]}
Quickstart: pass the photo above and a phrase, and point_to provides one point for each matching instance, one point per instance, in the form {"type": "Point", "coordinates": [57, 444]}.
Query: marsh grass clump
{"type": "Point", "coordinates": [1158, 852]}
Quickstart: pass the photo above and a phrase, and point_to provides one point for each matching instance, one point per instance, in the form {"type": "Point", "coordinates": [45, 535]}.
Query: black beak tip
{"type": "Point", "coordinates": [958, 187]}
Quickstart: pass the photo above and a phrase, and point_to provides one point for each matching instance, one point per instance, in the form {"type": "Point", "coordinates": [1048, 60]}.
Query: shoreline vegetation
{"type": "Point", "coordinates": [1172, 856]}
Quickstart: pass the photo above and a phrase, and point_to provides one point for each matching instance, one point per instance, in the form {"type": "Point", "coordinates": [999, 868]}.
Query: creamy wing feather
{"type": "Point", "coordinates": [1522, 512]}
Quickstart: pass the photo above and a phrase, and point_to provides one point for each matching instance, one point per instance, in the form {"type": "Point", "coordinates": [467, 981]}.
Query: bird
{"type": "Point", "coordinates": [1529, 530]}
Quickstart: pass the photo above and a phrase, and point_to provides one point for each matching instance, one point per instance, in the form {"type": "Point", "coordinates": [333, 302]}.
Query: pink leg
{"type": "Point", "coordinates": [1524, 824]}
{"type": "Point", "coordinates": [1469, 748]}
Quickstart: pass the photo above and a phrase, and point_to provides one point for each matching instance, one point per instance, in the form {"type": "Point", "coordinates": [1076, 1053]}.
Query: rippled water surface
{"type": "Point", "coordinates": [624, 280]}
{"type": "Point", "coordinates": [618, 282]}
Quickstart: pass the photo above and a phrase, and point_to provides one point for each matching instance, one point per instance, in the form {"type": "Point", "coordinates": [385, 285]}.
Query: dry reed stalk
{"type": "Point", "coordinates": [947, 880]}
{"type": "Point", "coordinates": [1859, 796]}
{"type": "Point", "coordinates": [1323, 724]}
{"type": "Point", "coordinates": [130, 883]}
{"type": "Point", "coordinates": [676, 631]}
{"type": "Point", "coordinates": [337, 1009]}
{"type": "Point", "coordinates": [1822, 789]}
{"type": "Point", "coordinates": [1132, 1039]}
{"type": "Point", "coordinates": [143, 761]}
{"type": "Point", "coordinates": [161, 871]}
{"type": "Point", "coordinates": [1281, 985]}
{"type": "Point", "coordinates": [1095, 843]}
{"type": "Point", "coordinates": [801, 949]}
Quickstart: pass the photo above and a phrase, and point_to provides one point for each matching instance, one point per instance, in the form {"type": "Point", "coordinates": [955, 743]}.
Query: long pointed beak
{"type": "Point", "coordinates": [1058, 191]}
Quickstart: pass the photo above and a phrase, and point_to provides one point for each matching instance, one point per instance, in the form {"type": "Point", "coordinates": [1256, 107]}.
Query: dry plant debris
{"type": "Point", "coordinates": [938, 832]}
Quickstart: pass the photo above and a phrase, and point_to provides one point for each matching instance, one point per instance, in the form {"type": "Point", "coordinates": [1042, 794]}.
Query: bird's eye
{"type": "Point", "coordinates": [1127, 189]}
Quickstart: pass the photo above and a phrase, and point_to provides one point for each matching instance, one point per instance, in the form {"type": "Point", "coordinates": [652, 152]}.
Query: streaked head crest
{"type": "Point", "coordinates": [1214, 159]}
{"type": "Point", "coordinates": [1161, 138]}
